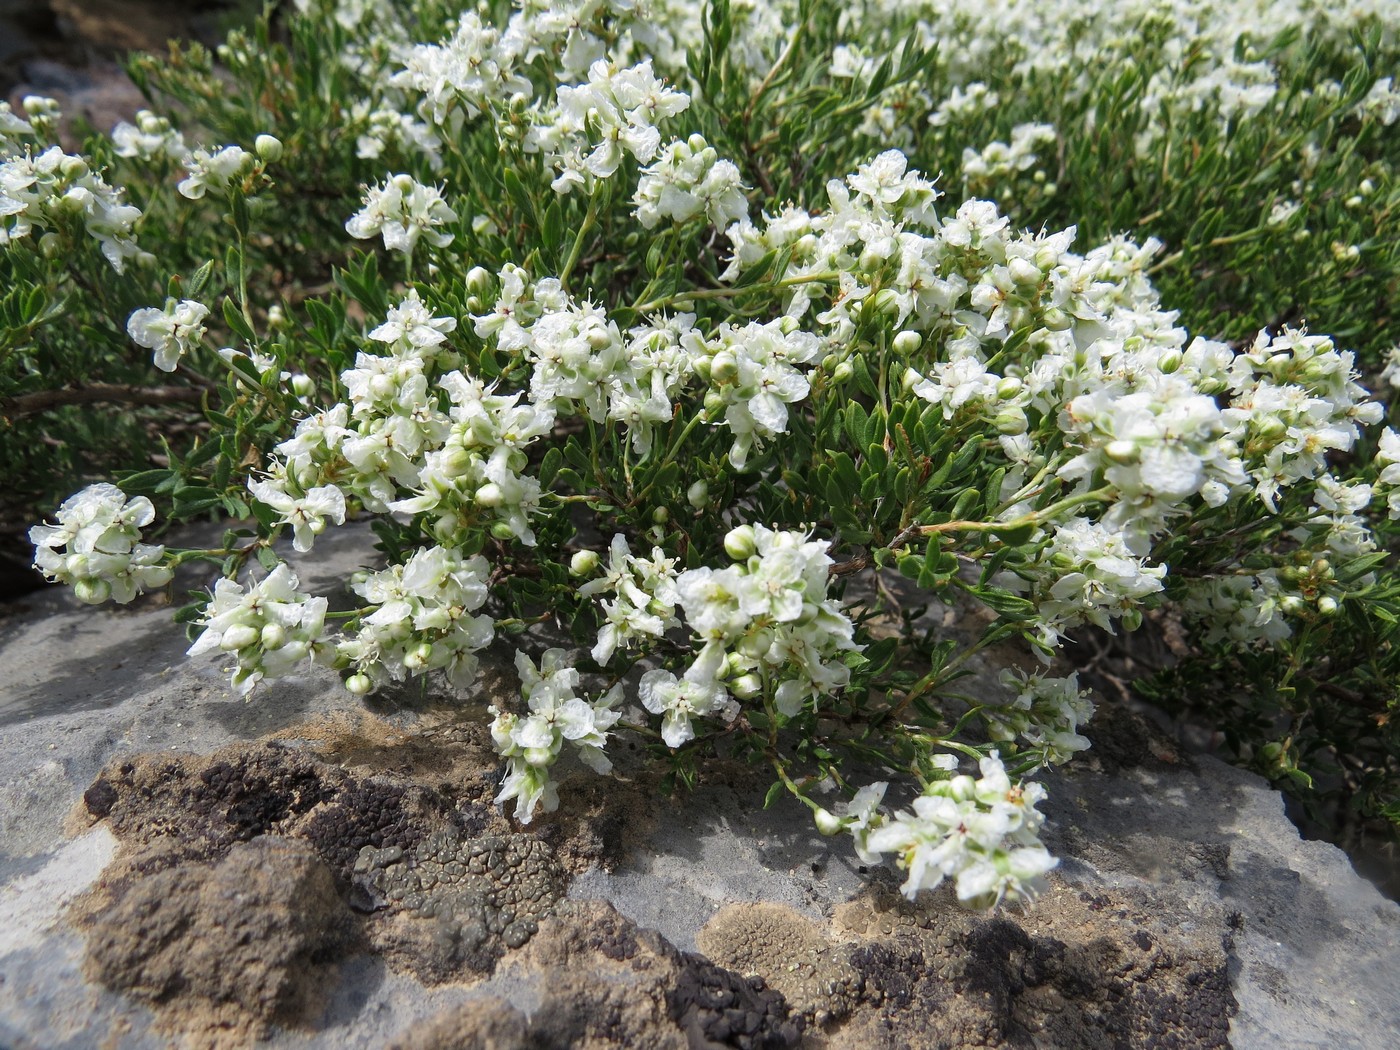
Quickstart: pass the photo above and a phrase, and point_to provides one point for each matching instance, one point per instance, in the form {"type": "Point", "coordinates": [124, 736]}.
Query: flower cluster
{"type": "Point", "coordinates": [531, 743]}
{"type": "Point", "coordinates": [586, 132]}
{"type": "Point", "coordinates": [403, 211]}
{"type": "Point", "coordinates": [171, 332]}
{"type": "Point", "coordinates": [270, 628]}
{"type": "Point", "coordinates": [754, 377]}
{"type": "Point", "coordinates": [770, 613]}
{"type": "Point", "coordinates": [422, 619]}
{"type": "Point", "coordinates": [689, 179]}
{"type": "Point", "coordinates": [982, 833]}
{"type": "Point", "coordinates": [465, 73]}
{"type": "Point", "coordinates": [152, 137]}
{"type": "Point", "coordinates": [982, 169]}
{"type": "Point", "coordinates": [1044, 717]}
{"type": "Point", "coordinates": [218, 170]}
{"type": "Point", "coordinates": [48, 191]}
{"type": "Point", "coordinates": [643, 602]}
{"type": "Point", "coordinates": [96, 546]}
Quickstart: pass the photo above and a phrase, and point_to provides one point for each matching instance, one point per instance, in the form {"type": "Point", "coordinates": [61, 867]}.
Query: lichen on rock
{"type": "Point", "coordinates": [226, 947]}
{"type": "Point", "coordinates": [478, 895]}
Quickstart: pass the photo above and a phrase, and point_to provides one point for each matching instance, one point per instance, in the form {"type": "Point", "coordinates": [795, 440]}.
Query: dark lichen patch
{"type": "Point", "coordinates": [444, 888]}
{"type": "Point", "coordinates": [208, 804]}
{"type": "Point", "coordinates": [716, 1007]}
{"type": "Point", "coordinates": [223, 948]}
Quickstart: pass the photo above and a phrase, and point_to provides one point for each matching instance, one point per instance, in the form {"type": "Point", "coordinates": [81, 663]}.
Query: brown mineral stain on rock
{"type": "Point", "coordinates": [223, 948]}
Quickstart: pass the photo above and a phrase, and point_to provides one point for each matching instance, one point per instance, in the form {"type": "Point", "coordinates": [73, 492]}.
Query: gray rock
{"type": "Point", "coordinates": [1198, 852]}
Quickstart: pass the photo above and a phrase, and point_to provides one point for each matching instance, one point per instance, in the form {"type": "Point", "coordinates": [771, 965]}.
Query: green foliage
{"type": "Point", "coordinates": [1273, 206]}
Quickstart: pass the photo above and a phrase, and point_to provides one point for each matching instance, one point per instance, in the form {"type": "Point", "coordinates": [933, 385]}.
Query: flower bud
{"type": "Point", "coordinates": [583, 563]}
{"type": "Point", "coordinates": [660, 516]}
{"type": "Point", "coordinates": [490, 495]}
{"type": "Point", "coordinates": [1011, 423]}
{"type": "Point", "coordinates": [303, 385]}
{"type": "Point", "coordinates": [502, 531]}
{"type": "Point", "coordinates": [787, 325]}
{"type": "Point", "coordinates": [1024, 272]}
{"type": "Point", "coordinates": [92, 592]}
{"type": "Point", "coordinates": [382, 387]}
{"type": "Point", "coordinates": [714, 403]}
{"type": "Point", "coordinates": [827, 823]}
{"type": "Point", "coordinates": [746, 686]}
{"type": "Point", "coordinates": [842, 372]}
{"type": "Point", "coordinates": [239, 636]}
{"type": "Point", "coordinates": [1121, 451]}
{"type": "Point", "coordinates": [1170, 361]}
{"type": "Point", "coordinates": [1327, 605]}
{"type": "Point", "coordinates": [1056, 319]}
{"type": "Point", "coordinates": [907, 342]}
{"type": "Point", "coordinates": [359, 684]}
{"type": "Point", "coordinates": [1008, 388]}
{"type": "Point", "coordinates": [418, 657]}
{"type": "Point", "coordinates": [698, 495]}
{"type": "Point", "coordinates": [887, 302]}
{"type": "Point", "coordinates": [445, 529]}
{"type": "Point", "coordinates": [724, 368]}
{"type": "Point", "coordinates": [274, 636]}
{"type": "Point", "coordinates": [268, 148]}
{"type": "Point", "coordinates": [740, 543]}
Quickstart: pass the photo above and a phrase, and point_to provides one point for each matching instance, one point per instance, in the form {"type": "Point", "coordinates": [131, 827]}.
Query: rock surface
{"type": "Point", "coordinates": [179, 866]}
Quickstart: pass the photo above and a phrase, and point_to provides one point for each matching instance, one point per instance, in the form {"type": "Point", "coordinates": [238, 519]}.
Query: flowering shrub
{"type": "Point", "coordinates": [624, 316]}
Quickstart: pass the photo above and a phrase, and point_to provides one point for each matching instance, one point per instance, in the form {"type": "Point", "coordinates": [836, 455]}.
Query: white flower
{"type": "Point", "coordinates": [591, 125]}
{"type": "Point", "coordinates": [207, 171]}
{"type": "Point", "coordinates": [422, 618]}
{"type": "Point", "coordinates": [53, 188]}
{"type": "Point", "coordinates": [307, 514]}
{"type": "Point", "coordinates": [982, 833]}
{"type": "Point", "coordinates": [644, 598]}
{"type": "Point", "coordinates": [96, 548]}
{"type": "Point", "coordinates": [403, 211]}
{"type": "Point", "coordinates": [531, 743]}
{"type": "Point", "coordinates": [689, 179]}
{"type": "Point", "coordinates": [698, 694]}
{"type": "Point", "coordinates": [171, 333]}
{"type": "Point", "coordinates": [269, 628]}
{"type": "Point", "coordinates": [150, 137]}
{"type": "Point", "coordinates": [412, 324]}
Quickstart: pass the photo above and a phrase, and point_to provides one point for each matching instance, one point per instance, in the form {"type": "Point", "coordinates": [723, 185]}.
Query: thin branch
{"type": "Point", "coordinates": [12, 408]}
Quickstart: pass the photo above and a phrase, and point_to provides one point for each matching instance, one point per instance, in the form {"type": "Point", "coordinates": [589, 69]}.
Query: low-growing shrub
{"type": "Point", "coordinates": [626, 316]}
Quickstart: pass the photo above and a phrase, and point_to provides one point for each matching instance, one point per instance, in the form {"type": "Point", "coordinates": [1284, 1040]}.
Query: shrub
{"type": "Point", "coordinates": [626, 317]}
